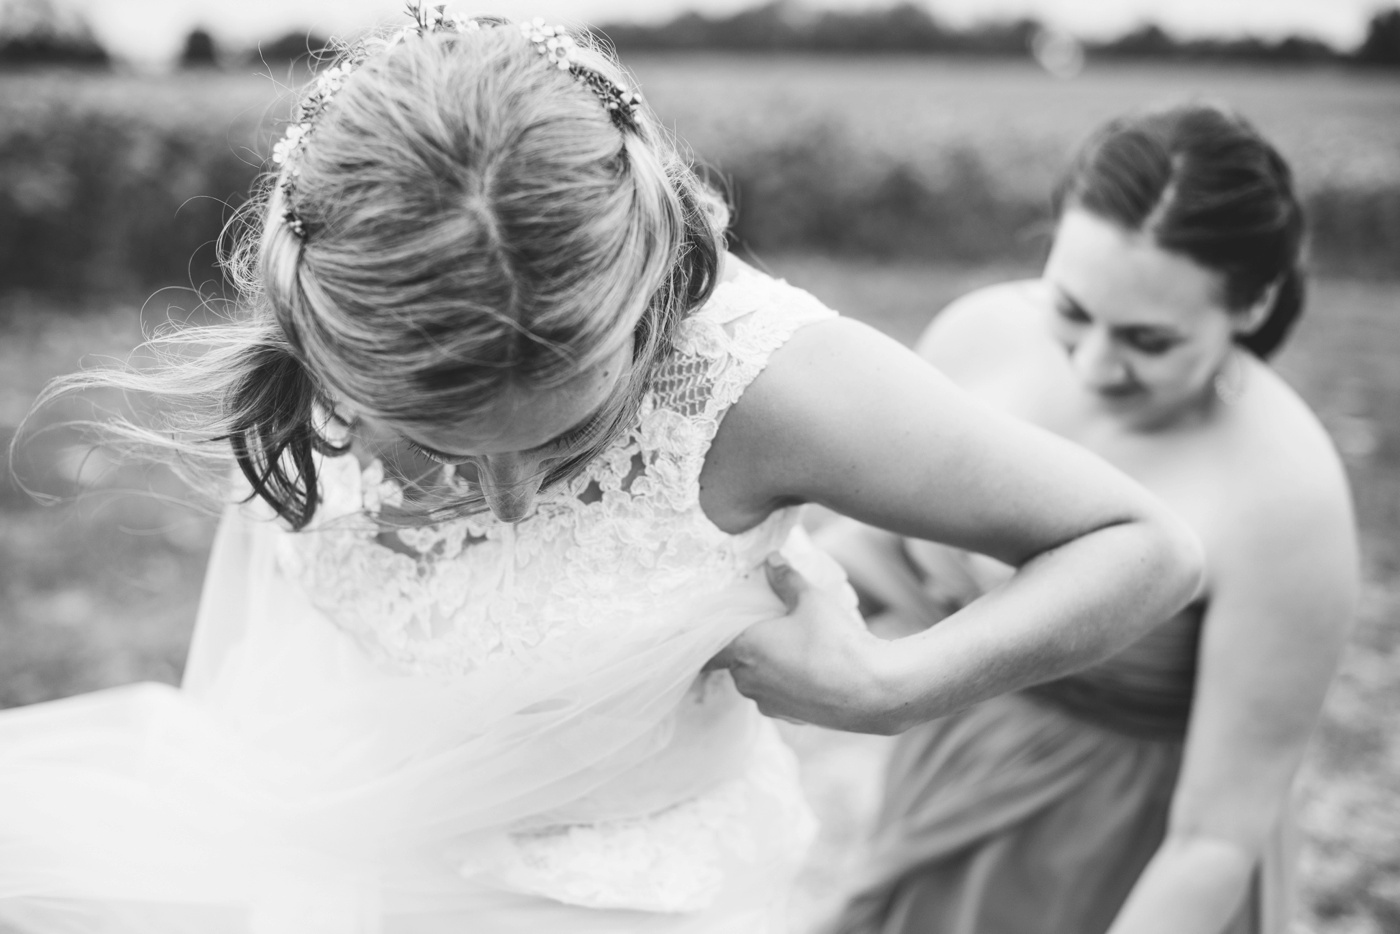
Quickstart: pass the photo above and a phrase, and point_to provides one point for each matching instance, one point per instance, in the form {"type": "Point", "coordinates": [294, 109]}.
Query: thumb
{"type": "Point", "coordinates": [787, 582]}
{"type": "Point", "coordinates": [724, 658]}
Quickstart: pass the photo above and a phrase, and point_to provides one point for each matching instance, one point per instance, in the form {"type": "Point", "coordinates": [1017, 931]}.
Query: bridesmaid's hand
{"type": "Point", "coordinates": [814, 665]}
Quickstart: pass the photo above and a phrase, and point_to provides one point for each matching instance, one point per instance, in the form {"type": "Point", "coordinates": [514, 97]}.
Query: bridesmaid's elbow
{"type": "Point", "coordinates": [1160, 570]}
{"type": "Point", "coordinates": [1177, 564]}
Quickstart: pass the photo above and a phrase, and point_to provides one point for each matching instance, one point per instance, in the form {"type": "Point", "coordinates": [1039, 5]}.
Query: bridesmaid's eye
{"type": "Point", "coordinates": [1150, 343]}
{"type": "Point", "coordinates": [1071, 313]}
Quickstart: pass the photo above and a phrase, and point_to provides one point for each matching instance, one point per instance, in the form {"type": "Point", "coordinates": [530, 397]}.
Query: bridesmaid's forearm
{"type": "Point", "coordinates": [1194, 884]}
{"type": "Point", "coordinates": [1064, 610]}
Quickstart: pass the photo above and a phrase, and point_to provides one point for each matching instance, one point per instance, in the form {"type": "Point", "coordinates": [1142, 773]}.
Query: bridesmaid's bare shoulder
{"type": "Point", "coordinates": [1280, 479]}
{"type": "Point", "coordinates": [986, 331]}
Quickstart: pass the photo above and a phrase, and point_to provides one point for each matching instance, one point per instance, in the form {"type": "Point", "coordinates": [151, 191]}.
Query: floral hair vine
{"type": "Point", "coordinates": [553, 42]}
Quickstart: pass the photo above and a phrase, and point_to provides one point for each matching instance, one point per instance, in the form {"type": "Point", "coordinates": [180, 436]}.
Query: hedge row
{"type": "Point", "coordinates": [102, 200]}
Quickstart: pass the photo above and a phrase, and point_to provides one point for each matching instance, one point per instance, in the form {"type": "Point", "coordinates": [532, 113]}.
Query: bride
{"type": "Point", "coordinates": [515, 439]}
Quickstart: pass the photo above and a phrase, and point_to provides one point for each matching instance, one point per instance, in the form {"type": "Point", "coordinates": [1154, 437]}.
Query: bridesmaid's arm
{"type": "Point", "coordinates": [1283, 592]}
{"type": "Point", "coordinates": [850, 419]}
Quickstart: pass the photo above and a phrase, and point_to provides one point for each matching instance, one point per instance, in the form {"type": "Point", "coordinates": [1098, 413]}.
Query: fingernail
{"type": "Point", "coordinates": [778, 560]}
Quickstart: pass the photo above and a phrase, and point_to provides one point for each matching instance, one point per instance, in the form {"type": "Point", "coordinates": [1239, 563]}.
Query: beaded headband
{"type": "Point", "coordinates": [553, 42]}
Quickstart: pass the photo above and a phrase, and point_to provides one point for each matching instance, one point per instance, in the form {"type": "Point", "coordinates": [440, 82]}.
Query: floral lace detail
{"type": "Point", "coordinates": [475, 592]}
{"type": "Point", "coordinates": [679, 859]}
{"type": "Point", "coordinates": [670, 861]}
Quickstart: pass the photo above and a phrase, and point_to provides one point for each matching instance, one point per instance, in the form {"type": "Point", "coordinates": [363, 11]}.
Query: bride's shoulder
{"type": "Point", "coordinates": [987, 328]}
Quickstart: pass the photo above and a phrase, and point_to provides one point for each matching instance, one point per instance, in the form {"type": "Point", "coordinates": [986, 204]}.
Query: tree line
{"type": "Point", "coordinates": [44, 32]}
{"type": "Point", "coordinates": [36, 32]}
{"type": "Point", "coordinates": [786, 26]}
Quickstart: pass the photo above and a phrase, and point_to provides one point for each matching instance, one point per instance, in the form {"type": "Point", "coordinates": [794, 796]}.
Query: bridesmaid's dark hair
{"type": "Point", "coordinates": [1203, 183]}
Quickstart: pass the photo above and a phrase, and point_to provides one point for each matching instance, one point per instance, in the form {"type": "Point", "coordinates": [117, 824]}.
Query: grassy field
{"type": "Point", "coordinates": [953, 161]}
{"type": "Point", "coordinates": [1022, 122]}
{"type": "Point", "coordinates": [120, 180]}
{"type": "Point", "coordinates": [103, 591]}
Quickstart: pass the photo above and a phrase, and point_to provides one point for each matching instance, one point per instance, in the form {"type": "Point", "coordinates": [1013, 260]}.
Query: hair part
{"type": "Point", "coordinates": [1201, 182]}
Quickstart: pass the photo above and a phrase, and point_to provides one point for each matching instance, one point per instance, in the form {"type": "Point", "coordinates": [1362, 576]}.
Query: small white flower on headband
{"type": "Point", "coordinates": [553, 42]}
{"type": "Point", "coordinates": [283, 150]}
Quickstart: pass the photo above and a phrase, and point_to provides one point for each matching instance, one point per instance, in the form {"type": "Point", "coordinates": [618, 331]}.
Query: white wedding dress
{"type": "Point", "coordinates": [479, 728]}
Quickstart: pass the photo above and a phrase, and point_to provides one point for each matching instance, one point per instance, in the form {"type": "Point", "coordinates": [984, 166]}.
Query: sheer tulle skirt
{"type": "Point", "coordinates": [292, 786]}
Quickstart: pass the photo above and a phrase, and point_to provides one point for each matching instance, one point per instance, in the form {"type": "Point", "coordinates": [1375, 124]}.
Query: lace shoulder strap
{"type": "Point", "coordinates": [724, 345]}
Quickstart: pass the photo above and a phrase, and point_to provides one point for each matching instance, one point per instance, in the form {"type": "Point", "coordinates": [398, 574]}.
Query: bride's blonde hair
{"type": "Point", "coordinates": [466, 217]}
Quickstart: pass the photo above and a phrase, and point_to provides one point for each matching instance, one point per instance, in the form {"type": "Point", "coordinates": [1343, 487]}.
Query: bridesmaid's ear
{"type": "Point", "coordinates": [1250, 319]}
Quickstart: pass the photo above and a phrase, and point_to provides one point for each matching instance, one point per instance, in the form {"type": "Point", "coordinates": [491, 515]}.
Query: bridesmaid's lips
{"type": "Point", "coordinates": [1121, 393]}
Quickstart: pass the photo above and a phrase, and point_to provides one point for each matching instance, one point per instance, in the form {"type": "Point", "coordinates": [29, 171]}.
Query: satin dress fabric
{"type": "Point", "coordinates": [1036, 812]}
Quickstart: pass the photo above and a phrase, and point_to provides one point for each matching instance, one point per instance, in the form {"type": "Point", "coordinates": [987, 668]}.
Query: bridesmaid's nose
{"type": "Point", "coordinates": [1096, 362]}
{"type": "Point", "coordinates": [509, 482]}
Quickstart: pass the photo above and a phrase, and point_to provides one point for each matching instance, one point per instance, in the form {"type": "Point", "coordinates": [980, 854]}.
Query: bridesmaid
{"type": "Point", "coordinates": [1150, 793]}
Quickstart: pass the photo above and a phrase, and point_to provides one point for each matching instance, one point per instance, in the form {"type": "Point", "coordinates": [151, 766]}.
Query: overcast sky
{"type": "Point", "coordinates": [154, 29]}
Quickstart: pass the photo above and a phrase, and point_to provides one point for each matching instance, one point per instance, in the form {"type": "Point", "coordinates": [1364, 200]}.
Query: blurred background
{"type": "Point", "coordinates": [885, 157]}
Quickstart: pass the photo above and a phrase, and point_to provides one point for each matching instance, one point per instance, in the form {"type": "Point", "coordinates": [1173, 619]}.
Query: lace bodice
{"type": "Point", "coordinates": [474, 592]}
